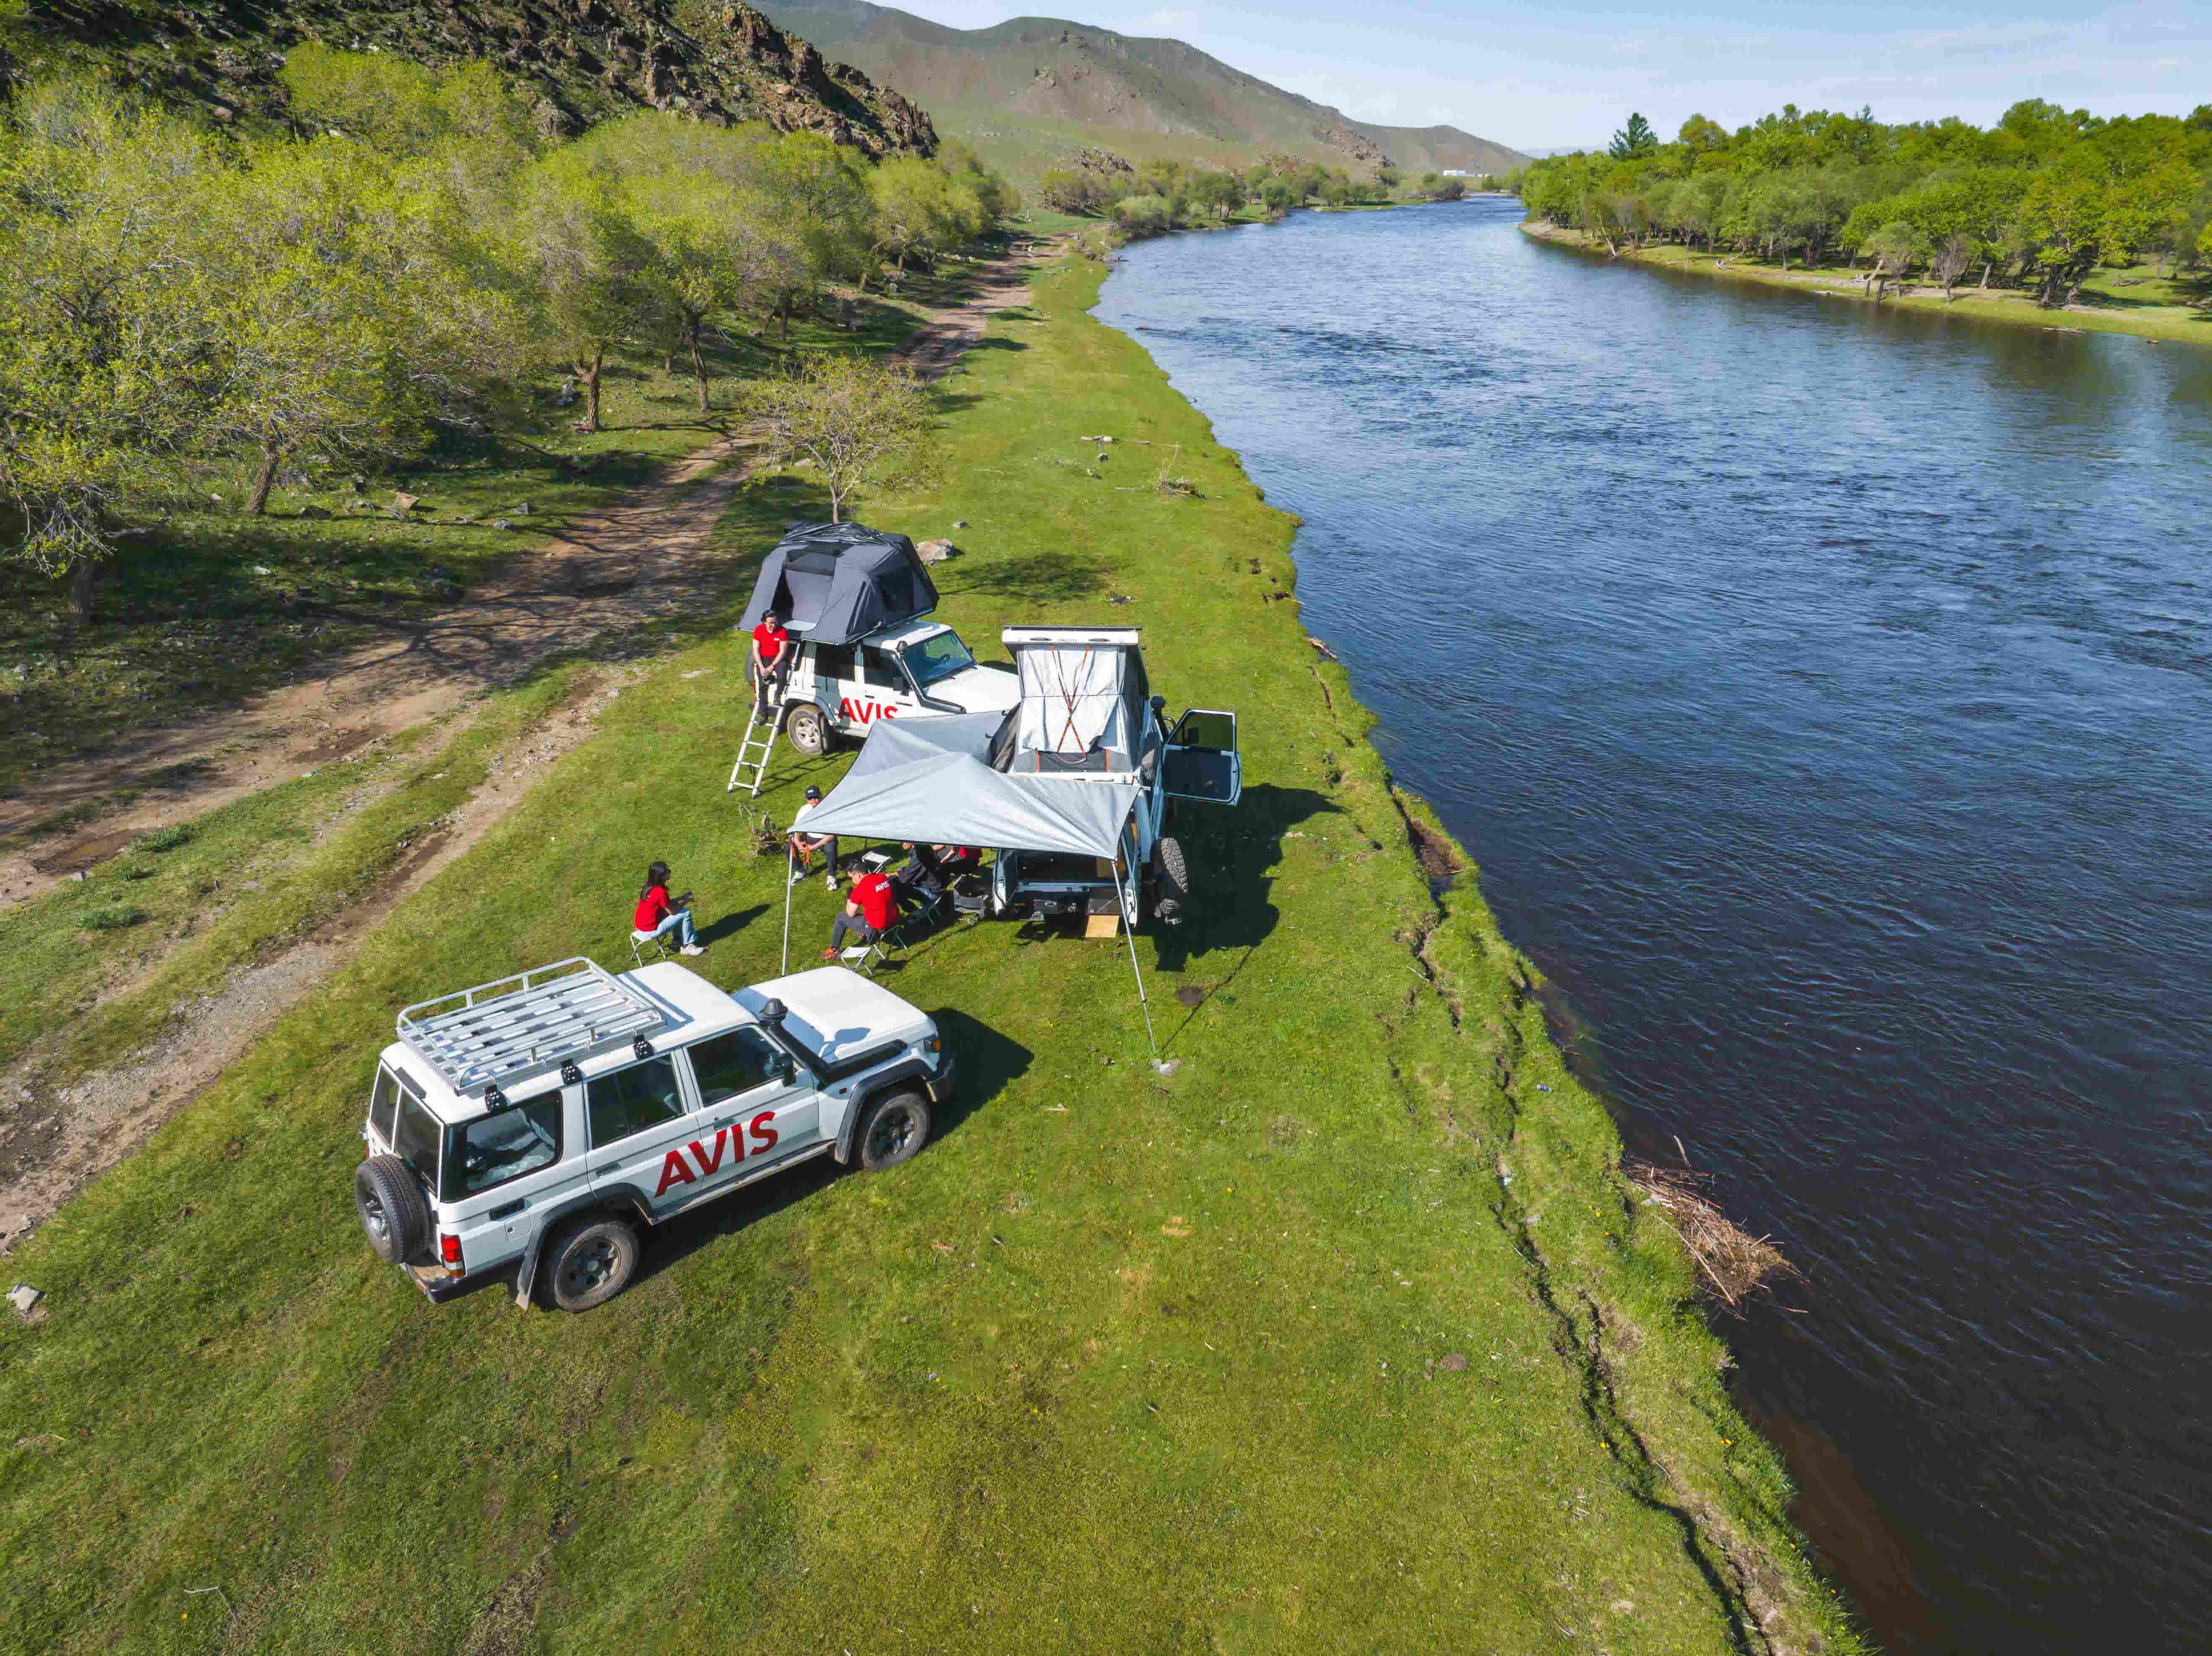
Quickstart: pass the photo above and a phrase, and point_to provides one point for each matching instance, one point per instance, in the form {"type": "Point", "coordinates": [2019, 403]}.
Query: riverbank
{"type": "Point", "coordinates": [1344, 1331]}
{"type": "Point", "coordinates": [2181, 322]}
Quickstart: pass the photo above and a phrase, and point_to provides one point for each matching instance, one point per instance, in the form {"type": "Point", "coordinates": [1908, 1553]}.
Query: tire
{"type": "Point", "coordinates": [592, 1262]}
{"type": "Point", "coordinates": [808, 731]}
{"type": "Point", "coordinates": [897, 1126]}
{"type": "Point", "coordinates": [393, 1209]}
{"type": "Point", "coordinates": [1172, 876]}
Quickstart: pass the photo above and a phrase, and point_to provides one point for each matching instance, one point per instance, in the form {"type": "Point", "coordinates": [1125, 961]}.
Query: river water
{"type": "Point", "coordinates": [1826, 694]}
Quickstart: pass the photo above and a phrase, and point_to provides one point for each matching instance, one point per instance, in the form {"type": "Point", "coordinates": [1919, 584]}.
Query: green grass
{"type": "Point", "coordinates": [1121, 1361]}
{"type": "Point", "coordinates": [2133, 299]}
{"type": "Point", "coordinates": [214, 605]}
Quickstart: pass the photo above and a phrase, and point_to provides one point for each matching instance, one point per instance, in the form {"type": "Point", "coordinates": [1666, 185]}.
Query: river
{"type": "Point", "coordinates": [1826, 694]}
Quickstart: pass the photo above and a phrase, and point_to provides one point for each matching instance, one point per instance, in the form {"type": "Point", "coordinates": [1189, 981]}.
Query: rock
{"type": "Point", "coordinates": [1102, 453]}
{"type": "Point", "coordinates": [961, 523]}
{"type": "Point", "coordinates": [24, 1297]}
{"type": "Point", "coordinates": [449, 592]}
{"type": "Point", "coordinates": [1453, 1362]}
{"type": "Point", "coordinates": [936, 551]}
{"type": "Point", "coordinates": [522, 509]}
{"type": "Point", "coordinates": [356, 483]}
{"type": "Point", "coordinates": [500, 522]}
{"type": "Point", "coordinates": [403, 503]}
{"type": "Point", "coordinates": [312, 511]}
{"type": "Point", "coordinates": [262, 569]}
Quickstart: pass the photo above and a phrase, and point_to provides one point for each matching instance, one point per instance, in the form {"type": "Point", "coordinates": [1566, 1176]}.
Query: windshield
{"type": "Point", "coordinates": [938, 656]}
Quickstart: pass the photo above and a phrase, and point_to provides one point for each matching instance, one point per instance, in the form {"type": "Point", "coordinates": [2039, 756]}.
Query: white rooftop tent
{"type": "Point", "coordinates": [930, 781]}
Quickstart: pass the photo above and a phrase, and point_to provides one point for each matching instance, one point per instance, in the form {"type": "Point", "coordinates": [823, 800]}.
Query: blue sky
{"type": "Point", "coordinates": [1569, 76]}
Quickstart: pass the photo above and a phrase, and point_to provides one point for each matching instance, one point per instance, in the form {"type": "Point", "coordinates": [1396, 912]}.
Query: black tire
{"type": "Point", "coordinates": [897, 1126]}
{"type": "Point", "coordinates": [393, 1209]}
{"type": "Point", "coordinates": [1172, 877]}
{"type": "Point", "coordinates": [807, 729]}
{"type": "Point", "coordinates": [591, 1262]}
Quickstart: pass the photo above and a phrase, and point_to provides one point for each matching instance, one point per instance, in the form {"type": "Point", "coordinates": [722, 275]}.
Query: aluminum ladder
{"type": "Point", "coordinates": [753, 752]}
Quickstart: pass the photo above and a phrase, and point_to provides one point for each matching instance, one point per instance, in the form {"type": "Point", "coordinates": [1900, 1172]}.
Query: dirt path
{"type": "Point", "coordinates": [605, 578]}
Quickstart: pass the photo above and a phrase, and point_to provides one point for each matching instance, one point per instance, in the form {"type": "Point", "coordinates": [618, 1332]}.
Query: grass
{"type": "Point", "coordinates": [1343, 1335]}
{"type": "Point", "coordinates": [2133, 299]}
{"type": "Point", "coordinates": [214, 605]}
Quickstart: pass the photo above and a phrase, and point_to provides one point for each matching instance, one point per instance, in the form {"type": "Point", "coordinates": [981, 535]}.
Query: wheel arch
{"type": "Point", "coordinates": [865, 1096]}
{"type": "Point", "coordinates": [623, 1202]}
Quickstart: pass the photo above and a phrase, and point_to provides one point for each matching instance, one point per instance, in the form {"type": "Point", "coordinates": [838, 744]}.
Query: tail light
{"type": "Point", "coordinates": [449, 1251]}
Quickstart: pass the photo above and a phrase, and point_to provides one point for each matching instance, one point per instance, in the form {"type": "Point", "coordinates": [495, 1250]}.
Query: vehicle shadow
{"type": "Point", "coordinates": [987, 1062]}
{"type": "Point", "coordinates": [1230, 855]}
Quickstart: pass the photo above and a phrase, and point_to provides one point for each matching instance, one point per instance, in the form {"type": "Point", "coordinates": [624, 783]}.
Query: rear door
{"type": "Point", "coordinates": [1201, 761]}
{"type": "Point", "coordinates": [502, 1169]}
{"type": "Point", "coordinates": [639, 1122]}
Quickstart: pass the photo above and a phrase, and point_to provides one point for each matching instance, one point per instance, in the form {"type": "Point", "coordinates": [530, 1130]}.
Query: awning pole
{"type": "Point", "coordinates": [787, 884]}
{"type": "Point", "coordinates": [1129, 929]}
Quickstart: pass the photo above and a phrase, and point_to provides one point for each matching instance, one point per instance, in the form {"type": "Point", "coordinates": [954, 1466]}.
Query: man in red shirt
{"type": "Point", "coordinates": [871, 910]}
{"type": "Point", "coordinates": [771, 658]}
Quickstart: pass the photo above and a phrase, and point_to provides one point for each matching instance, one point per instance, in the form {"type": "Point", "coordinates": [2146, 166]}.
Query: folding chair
{"type": "Point", "coordinates": [893, 936]}
{"type": "Point", "coordinates": [641, 941]}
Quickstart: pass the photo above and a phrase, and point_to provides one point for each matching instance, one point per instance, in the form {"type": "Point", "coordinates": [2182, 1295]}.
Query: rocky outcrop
{"type": "Point", "coordinates": [718, 60]}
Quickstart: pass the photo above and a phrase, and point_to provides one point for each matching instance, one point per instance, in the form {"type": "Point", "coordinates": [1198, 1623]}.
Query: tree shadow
{"type": "Point", "coordinates": [1030, 578]}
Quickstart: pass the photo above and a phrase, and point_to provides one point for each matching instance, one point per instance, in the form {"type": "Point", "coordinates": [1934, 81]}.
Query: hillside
{"type": "Point", "coordinates": [1064, 71]}
{"type": "Point", "coordinates": [721, 61]}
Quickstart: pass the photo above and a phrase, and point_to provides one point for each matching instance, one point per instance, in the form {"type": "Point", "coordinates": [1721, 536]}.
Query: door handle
{"type": "Point", "coordinates": [507, 1211]}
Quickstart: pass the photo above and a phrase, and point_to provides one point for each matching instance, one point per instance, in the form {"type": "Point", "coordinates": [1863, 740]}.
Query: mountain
{"type": "Point", "coordinates": [1065, 71]}
{"type": "Point", "coordinates": [717, 59]}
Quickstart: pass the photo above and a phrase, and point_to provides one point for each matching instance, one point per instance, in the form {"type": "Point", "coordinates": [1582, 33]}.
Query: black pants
{"type": "Point", "coordinates": [859, 928]}
{"type": "Point", "coordinates": [778, 671]}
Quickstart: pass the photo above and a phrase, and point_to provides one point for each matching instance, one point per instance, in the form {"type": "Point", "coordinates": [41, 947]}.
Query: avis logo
{"type": "Point", "coordinates": [861, 712]}
{"type": "Point", "coordinates": [675, 1170]}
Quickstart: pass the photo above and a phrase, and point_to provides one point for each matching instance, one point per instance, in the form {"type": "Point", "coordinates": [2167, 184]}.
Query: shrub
{"type": "Point", "coordinates": [1143, 216]}
{"type": "Point", "coordinates": [114, 917]}
{"type": "Point", "coordinates": [165, 839]}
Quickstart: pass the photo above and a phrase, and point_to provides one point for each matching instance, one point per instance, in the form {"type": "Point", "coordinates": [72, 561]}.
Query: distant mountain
{"type": "Point", "coordinates": [1043, 66]}
{"type": "Point", "coordinates": [587, 60]}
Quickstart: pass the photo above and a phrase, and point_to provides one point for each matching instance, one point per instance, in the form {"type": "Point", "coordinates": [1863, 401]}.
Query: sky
{"type": "Point", "coordinates": [1568, 75]}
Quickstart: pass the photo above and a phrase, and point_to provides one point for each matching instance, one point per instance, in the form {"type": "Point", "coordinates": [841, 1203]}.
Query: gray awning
{"type": "Point", "coordinates": [925, 779]}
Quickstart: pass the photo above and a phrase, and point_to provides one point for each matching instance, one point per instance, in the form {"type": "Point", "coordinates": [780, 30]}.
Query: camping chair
{"type": "Point", "coordinates": [656, 941]}
{"type": "Point", "coordinates": [896, 937]}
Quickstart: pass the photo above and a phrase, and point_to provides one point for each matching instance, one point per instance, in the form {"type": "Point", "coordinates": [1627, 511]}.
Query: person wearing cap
{"type": "Point", "coordinates": [771, 660]}
{"type": "Point", "coordinates": [803, 846]}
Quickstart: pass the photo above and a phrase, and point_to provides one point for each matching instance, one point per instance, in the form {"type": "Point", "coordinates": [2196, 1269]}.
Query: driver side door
{"type": "Point", "coordinates": [1201, 761]}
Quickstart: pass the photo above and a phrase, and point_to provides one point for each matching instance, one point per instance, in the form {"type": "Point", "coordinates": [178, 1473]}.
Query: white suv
{"type": "Point", "coordinates": [538, 1124]}
{"type": "Point", "coordinates": [906, 671]}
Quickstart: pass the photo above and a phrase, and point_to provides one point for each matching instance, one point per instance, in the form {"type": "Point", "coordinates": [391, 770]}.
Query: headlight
{"type": "Point", "coordinates": [933, 1047]}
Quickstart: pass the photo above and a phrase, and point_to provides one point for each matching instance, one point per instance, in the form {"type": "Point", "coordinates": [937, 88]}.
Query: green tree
{"type": "Point", "coordinates": [1220, 193]}
{"type": "Point", "coordinates": [919, 212]}
{"type": "Point", "coordinates": [1633, 141]}
{"type": "Point", "coordinates": [851, 416]}
{"type": "Point", "coordinates": [589, 260]}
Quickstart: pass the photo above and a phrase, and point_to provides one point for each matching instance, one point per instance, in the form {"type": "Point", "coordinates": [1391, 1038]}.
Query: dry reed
{"type": "Point", "coordinates": [1731, 1263]}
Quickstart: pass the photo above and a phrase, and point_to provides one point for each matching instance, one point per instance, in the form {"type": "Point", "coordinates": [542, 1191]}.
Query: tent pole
{"type": "Point", "coordinates": [1129, 930]}
{"type": "Point", "coordinates": [787, 884]}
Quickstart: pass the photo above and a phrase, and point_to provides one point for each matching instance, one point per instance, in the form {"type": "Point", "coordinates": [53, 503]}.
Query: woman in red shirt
{"type": "Point", "coordinates": [658, 914]}
{"type": "Point", "coordinates": [871, 911]}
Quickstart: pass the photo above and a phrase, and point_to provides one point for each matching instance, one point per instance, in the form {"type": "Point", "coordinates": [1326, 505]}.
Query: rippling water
{"type": "Point", "coordinates": [1828, 695]}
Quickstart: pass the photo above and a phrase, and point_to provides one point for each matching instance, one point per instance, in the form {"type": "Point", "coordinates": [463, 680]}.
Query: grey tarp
{"type": "Point", "coordinates": [927, 779]}
{"type": "Point", "coordinates": [837, 583]}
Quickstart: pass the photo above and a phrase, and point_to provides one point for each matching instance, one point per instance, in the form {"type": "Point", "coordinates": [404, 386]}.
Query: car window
{"type": "Point", "coordinates": [832, 661]}
{"type": "Point", "coordinates": [938, 656]}
{"type": "Point", "coordinates": [1203, 728]}
{"type": "Point", "coordinates": [630, 1101]}
{"type": "Point", "coordinates": [506, 1144]}
{"type": "Point", "coordinates": [416, 1139]}
{"type": "Point", "coordinates": [736, 1063]}
{"type": "Point", "coordinates": [384, 1104]}
{"type": "Point", "coordinates": [883, 673]}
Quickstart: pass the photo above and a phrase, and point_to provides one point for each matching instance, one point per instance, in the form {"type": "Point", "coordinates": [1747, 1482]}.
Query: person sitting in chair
{"type": "Point", "coordinates": [771, 660]}
{"type": "Point", "coordinates": [921, 872]}
{"type": "Point", "coordinates": [659, 914]}
{"type": "Point", "coordinates": [803, 846]}
{"type": "Point", "coordinates": [870, 911]}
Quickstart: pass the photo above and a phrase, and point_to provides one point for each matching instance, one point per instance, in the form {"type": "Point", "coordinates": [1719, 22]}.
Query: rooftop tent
{"type": "Point", "coordinates": [1084, 698]}
{"type": "Point", "coordinates": [837, 583]}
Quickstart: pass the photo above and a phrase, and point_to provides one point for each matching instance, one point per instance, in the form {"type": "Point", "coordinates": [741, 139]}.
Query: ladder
{"type": "Point", "coordinates": [754, 750]}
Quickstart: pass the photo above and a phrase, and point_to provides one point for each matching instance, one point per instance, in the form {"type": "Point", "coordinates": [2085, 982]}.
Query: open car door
{"type": "Point", "coordinates": [1201, 761]}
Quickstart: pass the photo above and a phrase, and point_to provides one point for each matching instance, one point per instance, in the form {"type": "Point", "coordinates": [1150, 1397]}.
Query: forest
{"type": "Point", "coordinates": [411, 255]}
{"type": "Point", "coordinates": [1165, 195]}
{"type": "Point", "coordinates": [2038, 202]}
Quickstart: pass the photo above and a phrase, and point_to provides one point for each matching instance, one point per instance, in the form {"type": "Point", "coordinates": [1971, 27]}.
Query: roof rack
{"type": "Point", "coordinates": [513, 1026]}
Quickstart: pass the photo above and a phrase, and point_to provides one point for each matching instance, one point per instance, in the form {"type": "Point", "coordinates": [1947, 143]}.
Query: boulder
{"type": "Point", "coordinates": [403, 503]}
{"type": "Point", "coordinates": [936, 551]}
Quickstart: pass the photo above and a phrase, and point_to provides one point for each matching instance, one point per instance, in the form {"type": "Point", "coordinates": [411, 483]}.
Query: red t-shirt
{"type": "Point", "coordinates": [769, 641]}
{"type": "Point", "coordinates": [652, 909]}
{"type": "Point", "coordinates": [878, 903]}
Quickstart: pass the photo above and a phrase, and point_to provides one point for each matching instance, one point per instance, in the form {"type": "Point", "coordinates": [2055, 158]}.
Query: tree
{"type": "Point", "coordinates": [589, 260]}
{"type": "Point", "coordinates": [921, 212]}
{"type": "Point", "coordinates": [1700, 136]}
{"type": "Point", "coordinates": [851, 416]}
{"type": "Point", "coordinates": [1953, 255]}
{"type": "Point", "coordinates": [1894, 247]}
{"type": "Point", "coordinates": [1634, 140]}
{"type": "Point", "coordinates": [2064, 223]}
{"type": "Point", "coordinates": [1220, 193]}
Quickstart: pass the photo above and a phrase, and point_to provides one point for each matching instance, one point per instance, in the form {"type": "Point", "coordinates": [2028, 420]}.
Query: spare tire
{"type": "Point", "coordinates": [393, 1209]}
{"type": "Point", "coordinates": [1173, 878]}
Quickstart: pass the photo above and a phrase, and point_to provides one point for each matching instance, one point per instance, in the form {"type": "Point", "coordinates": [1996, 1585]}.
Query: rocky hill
{"type": "Point", "coordinates": [720, 60]}
{"type": "Point", "coordinates": [1067, 71]}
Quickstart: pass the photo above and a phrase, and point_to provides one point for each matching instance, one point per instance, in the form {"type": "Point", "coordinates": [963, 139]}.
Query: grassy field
{"type": "Point", "coordinates": [2133, 300]}
{"type": "Point", "coordinates": [214, 605]}
{"type": "Point", "coordinates": [1342, 1335]}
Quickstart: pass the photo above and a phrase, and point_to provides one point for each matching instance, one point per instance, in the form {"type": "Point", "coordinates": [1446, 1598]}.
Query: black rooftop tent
{"type": "Point", "coordinates": [837, 583]}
